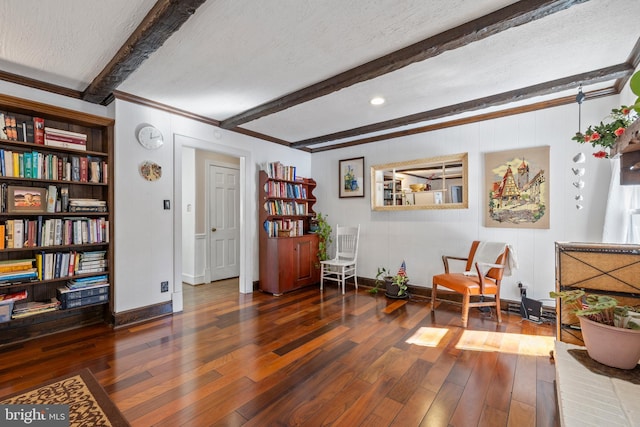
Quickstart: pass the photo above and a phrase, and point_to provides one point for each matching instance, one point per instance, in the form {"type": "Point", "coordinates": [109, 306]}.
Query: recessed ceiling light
{"type": "Point", "coordinates": [378, 100]}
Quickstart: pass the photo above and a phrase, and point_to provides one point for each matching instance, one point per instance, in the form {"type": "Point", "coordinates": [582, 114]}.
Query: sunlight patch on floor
{"type": "Point", "coordinates": [427, 337]}
{"type": "Point", "coordinates": [529, 345]}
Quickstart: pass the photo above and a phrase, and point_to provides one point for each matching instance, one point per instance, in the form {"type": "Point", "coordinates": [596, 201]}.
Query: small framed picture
{"type": "Point", "coordinates": [26, 199]}
{"type": "Point", "coordinates": [351, 177]}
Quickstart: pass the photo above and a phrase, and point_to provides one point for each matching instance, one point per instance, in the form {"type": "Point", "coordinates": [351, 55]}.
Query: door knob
{"type": "Point", "coordinates": [213, 229]}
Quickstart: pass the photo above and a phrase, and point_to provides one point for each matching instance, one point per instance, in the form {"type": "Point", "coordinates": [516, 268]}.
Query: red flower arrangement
{"type": "Point", "coordinates": [605, 135]}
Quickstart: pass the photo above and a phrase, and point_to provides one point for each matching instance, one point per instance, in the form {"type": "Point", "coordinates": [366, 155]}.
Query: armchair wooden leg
{"type": "Point", "coordinates": [498, 315]}
{"type": "Point", "coordinates": [321, 276]}
{"type": "Point", "coordinates": [434, 291]}
{"type": "Point", "coordinates": [465, 309]}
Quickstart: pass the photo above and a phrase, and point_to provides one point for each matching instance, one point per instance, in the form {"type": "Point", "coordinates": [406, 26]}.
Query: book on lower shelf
{"type": "Point", "coordinates": [26, 309]}
{"type": "Point", "coordinates": [92, 294]}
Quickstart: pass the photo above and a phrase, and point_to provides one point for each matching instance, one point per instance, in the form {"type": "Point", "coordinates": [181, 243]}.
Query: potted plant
{"type": "Point", "coordinates": [321, 227]}
{"type": "Point", "coordinates": [395, 286]}
{"type": "Point", "coordinates": [611, 332]}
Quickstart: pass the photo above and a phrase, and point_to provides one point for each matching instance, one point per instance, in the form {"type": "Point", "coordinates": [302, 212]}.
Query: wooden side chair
{"type": "Point", "coordinates": [343, 266]}
{"type": "Point", "coordinates": [480, 278]}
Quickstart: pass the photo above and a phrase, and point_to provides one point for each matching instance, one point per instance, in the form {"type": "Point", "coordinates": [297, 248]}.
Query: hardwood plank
{"type": "Point", "coordinates": [521, 415]}
{"type": "Point", "coordinates": [524, 384]}
{"type": "Point", "coordinates": [444, 404]}
{"type": "Point", "coordinates": [304, 358]}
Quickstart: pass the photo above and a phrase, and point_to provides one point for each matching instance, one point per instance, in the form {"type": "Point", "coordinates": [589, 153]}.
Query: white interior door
{"type": "Point", "coordinates": [224, 222]}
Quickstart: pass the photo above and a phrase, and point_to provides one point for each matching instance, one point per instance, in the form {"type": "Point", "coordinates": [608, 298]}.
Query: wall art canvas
{"type": "Point", "coordinates": [351, 177]}
{"type": "Point", "coordinates": [516, 191]}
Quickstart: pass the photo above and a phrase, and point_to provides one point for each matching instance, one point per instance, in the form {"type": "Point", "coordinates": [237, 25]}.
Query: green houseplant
{"type": "Point", "coordinates": [611, 332]}
{"type": "Point", "coordinates": [322, 228]}
{"type": "Point", "coordinates": [395, 286]}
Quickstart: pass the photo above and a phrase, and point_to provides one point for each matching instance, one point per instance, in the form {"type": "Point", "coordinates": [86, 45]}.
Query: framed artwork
{"type": "Point", "coordinates": [516, 188]}
{"type": "Point", "coordinates": [351, 177]}
{"type": "Point", "coordinates": [26, 199]}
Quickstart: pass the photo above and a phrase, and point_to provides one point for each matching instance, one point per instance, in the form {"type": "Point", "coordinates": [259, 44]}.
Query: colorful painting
{"type": "Point", "coordinates": [351, 177]}
{"type": "Point", "coordinates": [517, 188]}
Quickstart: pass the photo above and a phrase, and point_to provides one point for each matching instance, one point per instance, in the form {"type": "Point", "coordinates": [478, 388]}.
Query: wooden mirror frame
{"type": "Point", "coordinates": [444, 173]}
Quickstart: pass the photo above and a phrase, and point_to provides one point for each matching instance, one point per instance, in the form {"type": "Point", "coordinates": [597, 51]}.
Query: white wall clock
{"type": "Point", "coordinates": [150, 137]}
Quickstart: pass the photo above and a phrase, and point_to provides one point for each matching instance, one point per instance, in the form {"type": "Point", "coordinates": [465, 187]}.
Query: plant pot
{"type": "Point", "coordinates": [393, 289]}
{"type": "Point", "coordinates": [609, 345]}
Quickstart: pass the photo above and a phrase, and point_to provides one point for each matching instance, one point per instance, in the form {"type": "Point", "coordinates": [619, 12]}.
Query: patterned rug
{"type": "Point", "coordinates": [89, 404]}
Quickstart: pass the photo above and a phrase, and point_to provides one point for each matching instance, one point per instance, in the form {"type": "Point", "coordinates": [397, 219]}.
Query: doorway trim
{"type": "Point", "coordinates": [247, 205]}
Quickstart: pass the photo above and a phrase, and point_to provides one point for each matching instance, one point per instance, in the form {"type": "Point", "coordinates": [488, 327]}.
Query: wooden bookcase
{"type": "Point", "coordinates": [600, 268]}
{"type": "Point", "coordinates": [99, 148]}
{"type": "Point", "coordinates": [288, 252]}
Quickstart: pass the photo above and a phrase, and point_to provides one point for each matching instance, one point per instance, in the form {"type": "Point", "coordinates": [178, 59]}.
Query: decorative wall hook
{"type": "Point", "coordinates": [579, 158]}
{"type": "Point", "coordinates": [578, 171]}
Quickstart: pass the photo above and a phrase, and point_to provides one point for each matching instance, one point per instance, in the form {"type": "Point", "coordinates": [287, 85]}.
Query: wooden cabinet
{"type": "Point", "coordinates": [288, 252]}
{"type": "Point", "coordinates": [42, 169]}
{"type": "Point", "coordinates": [600, 268]}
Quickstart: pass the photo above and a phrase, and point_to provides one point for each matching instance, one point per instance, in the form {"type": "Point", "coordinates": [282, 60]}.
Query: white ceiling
{"type": "Point", "coordinates": [233, 55]}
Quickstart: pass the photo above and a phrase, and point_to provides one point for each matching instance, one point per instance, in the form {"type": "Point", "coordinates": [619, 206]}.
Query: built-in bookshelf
{"type": "Point", "coordinates": [56, 199]}
{"type": "Point", "coordinates": [288, 248]}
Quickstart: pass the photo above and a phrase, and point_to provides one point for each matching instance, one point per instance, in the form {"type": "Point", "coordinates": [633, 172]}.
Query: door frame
{"type": "Point", "coordinates": [207, 214]}
{"type": "Point", "coordinates": [247, 205]}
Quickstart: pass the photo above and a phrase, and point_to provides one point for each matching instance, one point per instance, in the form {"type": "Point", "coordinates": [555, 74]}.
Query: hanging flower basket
{"type": "Point", "coordinates": [604, 135]}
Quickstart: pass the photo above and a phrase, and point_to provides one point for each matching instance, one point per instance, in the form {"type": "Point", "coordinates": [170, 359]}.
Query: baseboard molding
{"type": "Point", "coordinates": [443, 294]}
{"type": "Point", "coordinates": [142, 314]}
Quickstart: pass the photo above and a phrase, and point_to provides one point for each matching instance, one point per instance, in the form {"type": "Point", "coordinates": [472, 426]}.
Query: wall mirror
{"type": "Point", "coordinates": [431, 183]}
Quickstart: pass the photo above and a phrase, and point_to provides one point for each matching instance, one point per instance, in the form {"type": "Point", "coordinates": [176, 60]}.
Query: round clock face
{"type": "Point", "coordinates": [150, 137]}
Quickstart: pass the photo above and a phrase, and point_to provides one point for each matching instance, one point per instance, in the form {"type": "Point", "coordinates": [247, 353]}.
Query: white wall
{"type": "Point", "coordinates": [421, 237]}
{"type": "Point", "coordinates": [146, 251]}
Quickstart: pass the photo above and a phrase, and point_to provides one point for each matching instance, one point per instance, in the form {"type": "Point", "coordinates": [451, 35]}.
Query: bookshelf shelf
{"type": "Point", "coordinates": [288, 251]}
{"type": "Point", "coordinates": [43, 167]}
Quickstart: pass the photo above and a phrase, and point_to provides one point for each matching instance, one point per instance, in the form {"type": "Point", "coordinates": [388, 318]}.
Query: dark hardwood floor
{"type": "Point", "coordinates": [306, 359]}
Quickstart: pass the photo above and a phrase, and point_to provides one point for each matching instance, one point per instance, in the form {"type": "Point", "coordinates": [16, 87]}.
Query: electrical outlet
{"type": "Point", "coordinates": [523, 290]}
{"type": "Point", "coordinates": [164, 286]}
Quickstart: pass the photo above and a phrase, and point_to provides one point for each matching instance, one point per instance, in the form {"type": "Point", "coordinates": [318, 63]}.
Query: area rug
{"type": "Point", "coordinates": [89, 404]}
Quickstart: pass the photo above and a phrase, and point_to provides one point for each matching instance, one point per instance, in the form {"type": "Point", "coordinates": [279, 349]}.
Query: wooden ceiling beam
{"type": "Point", "coordinates": [508, 17]}
{"type": "Point", "coordinates": [164, 19]}
{"type": "Point", "coordinates": [571, 82]}
{"type": "Point", "coordinates": [468, 120]}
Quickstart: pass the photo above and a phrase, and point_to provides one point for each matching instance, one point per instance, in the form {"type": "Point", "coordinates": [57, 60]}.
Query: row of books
{"type": "Point", "coordinates": [285, 189]}
{"type": "Point", "coordinates": [37, 165]}
{"type": "Point", "coordinates": [281, 207]}
{"type": "Point", "coordinates": [54, 265]}
{"type": "Point", "coordinates": [291, 227]}
{"type": "Point", "coordinates": [39, 232]}
{"type": "Point", "coordinates": [277, 170]}
{"type": "Point", "coordinates": [65, 139]}
{"type": "Point", "coordinates": [20, 127]}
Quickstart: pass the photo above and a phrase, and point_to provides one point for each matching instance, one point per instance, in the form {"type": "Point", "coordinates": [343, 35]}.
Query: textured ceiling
{"type": "Point", "coordinates": [234, 55]}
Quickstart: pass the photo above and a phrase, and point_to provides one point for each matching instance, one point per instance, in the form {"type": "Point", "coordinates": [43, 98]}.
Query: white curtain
{"type": "Point", "coordinates": [622, 217]}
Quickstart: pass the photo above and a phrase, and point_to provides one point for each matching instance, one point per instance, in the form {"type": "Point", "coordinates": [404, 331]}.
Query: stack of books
{"type": "Point", "coordinates": [65, 139]}
{"type": "Point", "coordinates": [91, 262]}
{"type": "Point", "coordinates": [90, 293]}
{"type": "Point", "coordinates": [87, 205]}
{"type": "Point", "coordinates": [25, 309]}
{"type": "Point", "coordinates": [17, 270]}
